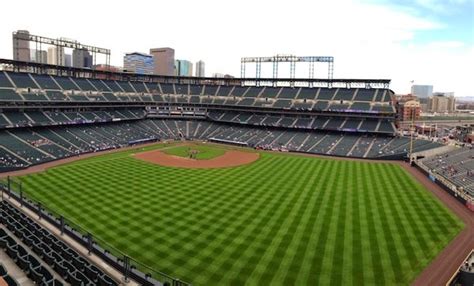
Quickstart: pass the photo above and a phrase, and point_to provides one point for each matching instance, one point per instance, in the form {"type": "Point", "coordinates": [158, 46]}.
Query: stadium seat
{"type": "Point", "coordinates": [10, 281]}
{"type": "Point", "coordinates": [11, 251]}
{"type": "Point", "coordinates": [105, 280]}
{"type": "Point", "coordinates": [3, 271]}
{"type": "Point", "coordinates": [55, 282]}
{"type": "Point", "coordinates": [92, 273]}
{"type": "Point", "coordinates": [73, 280]}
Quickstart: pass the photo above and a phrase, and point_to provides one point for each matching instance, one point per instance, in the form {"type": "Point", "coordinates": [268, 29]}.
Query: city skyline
{"type": "Point", "coordinates": [428, 42]}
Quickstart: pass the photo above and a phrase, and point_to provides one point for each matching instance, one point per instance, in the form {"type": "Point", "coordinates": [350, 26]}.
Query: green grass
{"type": "Point", "coordinates": [203, 152]}
{"type": "Point", "coordinates": [283, 220]}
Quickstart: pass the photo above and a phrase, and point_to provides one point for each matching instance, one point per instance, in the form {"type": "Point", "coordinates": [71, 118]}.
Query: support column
{"type": "Point", "coordinates": [126, 269]}
{"type": "Point", "coordinates": [90, 243]}
{"type": "Point", "coordinates": [62, 224]}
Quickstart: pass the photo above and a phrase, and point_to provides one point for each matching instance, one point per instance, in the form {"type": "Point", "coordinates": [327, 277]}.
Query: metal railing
{"type": "Point", "coordinates": [130, 267]}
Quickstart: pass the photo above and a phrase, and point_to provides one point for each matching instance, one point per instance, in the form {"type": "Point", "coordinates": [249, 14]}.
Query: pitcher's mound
{"type": "Point", "coordinates": [230, 158]}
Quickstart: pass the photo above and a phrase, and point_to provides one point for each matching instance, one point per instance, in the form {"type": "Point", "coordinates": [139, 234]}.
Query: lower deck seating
{"type": "Point", "coordinates": [22, 147]}
{"type": "Point", "coordinates": [456, 166]}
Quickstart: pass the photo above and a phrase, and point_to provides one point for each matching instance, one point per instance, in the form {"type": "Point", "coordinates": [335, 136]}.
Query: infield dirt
{"type": "Point", "coordinates": [231, 158]}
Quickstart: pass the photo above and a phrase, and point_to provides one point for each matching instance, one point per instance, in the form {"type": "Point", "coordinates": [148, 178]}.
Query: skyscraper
{"type": "Point", "coordinates": [81, 59]}
{"type": "Point", "coordinates": [442, 102]}
{"type": "Point", "coordinates": [37, 56]}
{"type": "Point", "coordinates": [138, 63]}
{"type": "Point", "coordinates": [163, 60]}
{"type": "Point", "coordinates": [422, 91]}
{"type": "Point", "coordinates": [183, 68]}
{"type": "Point", "coordinates": [21, 46]}
{"type": "Point", "coordinates": [68, 60]}
{"type": "Point", "coordinates": [56, 56]}
{"type": "Point", "coordinates": [200, 69]}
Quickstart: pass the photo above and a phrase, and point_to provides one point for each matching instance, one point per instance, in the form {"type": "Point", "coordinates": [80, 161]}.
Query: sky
{"type": "Point", "coordinates": [420, 41]}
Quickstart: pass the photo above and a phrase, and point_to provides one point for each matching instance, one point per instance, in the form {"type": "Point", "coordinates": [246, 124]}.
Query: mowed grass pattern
{"type": "Point", "coordinates": [203, 152]}
{"type": "Point", "coordinates": [283, 220]}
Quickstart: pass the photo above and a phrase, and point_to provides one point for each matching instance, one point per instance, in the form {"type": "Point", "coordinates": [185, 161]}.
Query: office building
{"type": "Point", "coordinates": [442, 102]}
{"type": "Point", "coordinates": [21, 46]}
{"type": "Point", "coordinates": [138, 63]}
{"type": "Point", "coordinates": [183, 68]}
{"type": "Point", "coordinates": [422, 91]}
{"type": "Point", "coordinates": [410, 110]}
{"type": "Point", "coordinates": [200, 69]}
{"type": "Point", "coordinates": [81, 59]}
{"type": "Point", "coordinates": [163, 61]}
{"type": "Point", "coordinates": [56, 56]}
{"type": "Point", "coordinates": [37, 56]}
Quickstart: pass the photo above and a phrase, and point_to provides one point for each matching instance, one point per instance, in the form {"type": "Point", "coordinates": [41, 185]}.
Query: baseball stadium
{"type": "Point", "coordinates": [113, 178]}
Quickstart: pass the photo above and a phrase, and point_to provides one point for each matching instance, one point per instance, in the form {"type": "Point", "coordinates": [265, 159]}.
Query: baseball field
{"type": "Point", "coordinates": [281, 220]}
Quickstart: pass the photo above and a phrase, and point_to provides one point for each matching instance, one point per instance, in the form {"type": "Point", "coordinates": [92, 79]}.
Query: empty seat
{"type": "Point", "coordinates": [3, 233]}
{"type": "Point", "coordinates": [55, 283]}
{"type": "Point", "coordinates": [11, 250]}
{"type": "Point", "coordinates": [74, 280]}
{"type": "Point", "coordinates": [33, 263]}
{"type": "Point", "coordinates": [92, 273]}
{"type": "Point", "coordinates": [22, 252]}
{"type": "Point", "coordinates": [41, 276]}
{"type": "Point", "coordinates": [81, 277]}
{"type": "Point", "coordinates": [105, 280]}
{"type": "Point", "coordinates": [10, 281]}
{"type": "Point", "coordinates": [3, 271]}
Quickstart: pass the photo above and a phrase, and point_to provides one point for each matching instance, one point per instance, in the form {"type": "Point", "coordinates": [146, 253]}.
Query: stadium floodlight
{"type": "Point", "coordinates": [62, 42]}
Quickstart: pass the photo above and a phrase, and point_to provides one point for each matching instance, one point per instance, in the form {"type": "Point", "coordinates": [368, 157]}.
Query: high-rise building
{"type": "Point", "coordinates": [422, 91]}
{"type": "Point", "coordinates": [442, 102]}
{"type": "Point", "coordinates": [138, 63]}
{"type": "Point", "coordinates": [163, 61]}
{"type": "Point", "coordinates": [37, 56]}
{"type": "Point", "coordinates": [81, 59]}
{"type": "Point", "coordinates": [56, 56]}
{"type": "Point", "coordinates": [68, 60]}
{"type": "Point", "coordinates": [200, 69]}
{"type": "Point", "coordinates": [410, 110]}
{"type": "Point", "coordinates": [21, 46]}
{"type": "Point", "coordinates": [183, 68]}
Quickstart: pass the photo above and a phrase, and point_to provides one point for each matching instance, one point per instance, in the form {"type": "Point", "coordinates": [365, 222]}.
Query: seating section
{"type": "Point", "coordinates": [61, 116]}
{"type": "Point", "coordinates": [9, 95]}
{"type": "Point", "coordinates": [456, 166]}
{"type": "Point", "coordinates": [29, 146]}
{"type": "Point", "coordinates": [326, 123]}
{"type": "Point", "coordinates": [22, 80]}
{"type": "Point", "coordinates": [44, 249]}
{"type": "Point", "coordinates": [36, 87]}
{"type": "Point", "coordinates": [36, 118]}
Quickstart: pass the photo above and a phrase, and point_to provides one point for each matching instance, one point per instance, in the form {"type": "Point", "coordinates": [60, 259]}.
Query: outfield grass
{"type": "Point", "coordinates": [203, 152]}
{"type": "Point", "coordinates": [283, 220]}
